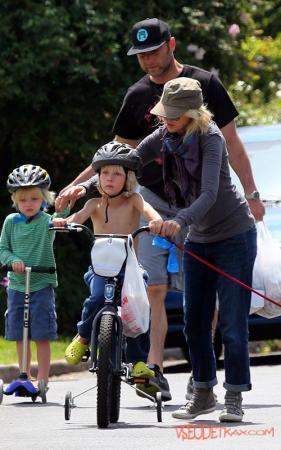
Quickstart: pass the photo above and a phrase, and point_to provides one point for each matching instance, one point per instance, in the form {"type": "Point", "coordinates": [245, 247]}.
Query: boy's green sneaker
{"type": "Point", "coordinates": [156, 382]}
{"type": "Point", "coordinates": [75, 352]}
{"type": "Point", "coordinates": [140, 370]}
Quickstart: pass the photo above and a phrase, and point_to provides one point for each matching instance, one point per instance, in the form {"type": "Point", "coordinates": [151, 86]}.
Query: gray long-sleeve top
{"type": "Point", "coordinates": [219, 211]}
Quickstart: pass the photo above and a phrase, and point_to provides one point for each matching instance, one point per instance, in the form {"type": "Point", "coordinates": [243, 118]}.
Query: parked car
{"type": "Point", "coordinates": [263, 144]}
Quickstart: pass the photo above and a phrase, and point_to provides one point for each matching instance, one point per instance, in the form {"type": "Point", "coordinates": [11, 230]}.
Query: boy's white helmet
{"type": "Point", "coordinates": [28, 175]}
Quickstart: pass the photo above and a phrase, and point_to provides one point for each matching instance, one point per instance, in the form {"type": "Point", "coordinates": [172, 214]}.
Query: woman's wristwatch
{"type": "Point", "coordinates": [255, 195]}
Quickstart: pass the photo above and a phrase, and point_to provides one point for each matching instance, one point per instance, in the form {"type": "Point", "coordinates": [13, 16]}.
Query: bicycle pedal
{"type": "Point", "coordinates": [139, 380]}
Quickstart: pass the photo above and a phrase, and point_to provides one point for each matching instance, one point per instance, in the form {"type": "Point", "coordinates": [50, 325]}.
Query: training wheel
{"type": "Point", "coordinates": [159, 406]}
{"type": "Point", "coordinates": [1, 390]}
{"type": "Point", "coordinates": [67, 405]}
{"type": "Point", "coordinates": [42, 390]}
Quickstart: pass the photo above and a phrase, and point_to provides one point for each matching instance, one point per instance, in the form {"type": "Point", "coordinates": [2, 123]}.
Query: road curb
{"type": "Point", "coordinates": [60, 367]}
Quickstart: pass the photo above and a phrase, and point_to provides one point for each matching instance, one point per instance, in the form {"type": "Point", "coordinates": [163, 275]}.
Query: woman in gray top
{"type": "Point", "coordinates": [221, 230]}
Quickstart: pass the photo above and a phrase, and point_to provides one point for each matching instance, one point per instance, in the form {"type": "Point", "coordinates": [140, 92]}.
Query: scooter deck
{"type": "Point", "coordinates": [21, 388]}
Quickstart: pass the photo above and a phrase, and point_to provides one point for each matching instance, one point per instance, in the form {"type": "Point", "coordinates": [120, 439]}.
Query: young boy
{"type": "Point", "coordinates": [117, 211]}
{"type": "Point", "coordinates": [27, 241]}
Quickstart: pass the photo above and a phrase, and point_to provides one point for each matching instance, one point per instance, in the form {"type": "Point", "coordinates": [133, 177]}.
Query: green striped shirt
{"type": "Point", "coordinates": [31, 243]}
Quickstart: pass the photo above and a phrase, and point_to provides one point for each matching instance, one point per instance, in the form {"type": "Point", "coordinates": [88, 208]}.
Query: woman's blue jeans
{"type": "Point", "coordinates": [136, 349]}
{"type": "Point", "coordinates": [236, 256]}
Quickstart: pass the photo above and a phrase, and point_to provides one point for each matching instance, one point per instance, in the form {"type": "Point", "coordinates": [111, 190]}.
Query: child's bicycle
{"type": "Point", "coordinates": [107, 335]}
{"type": "Point", "coordinates": [22, 386]}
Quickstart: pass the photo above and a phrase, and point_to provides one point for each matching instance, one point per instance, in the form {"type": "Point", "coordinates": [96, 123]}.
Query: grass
{"type": "Point", "coordinates": [8, 354]}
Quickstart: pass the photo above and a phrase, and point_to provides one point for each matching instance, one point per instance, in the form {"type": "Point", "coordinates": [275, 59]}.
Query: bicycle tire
{"type": "Point", "coordinates": [104, 372]}
{"type": "Point", "coordinates": [67, 405]}
{"type": "Point", "coordinates": [159, 406]}
{"type": "Point", "coordinates": [116, 380]}
{"type": "Point", "coordinates": [115, 398]}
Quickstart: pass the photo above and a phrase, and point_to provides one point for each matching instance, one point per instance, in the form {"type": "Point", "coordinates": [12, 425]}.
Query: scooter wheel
{"type": "Point", "coordinates": [42, 390]}
{"type": "Point", "coordinates": [159, 406]}
{"type": "Point", "coordinates": [67, 405]}
{"type": "Point", "coordinates": [33, 398]}
{"type": "Point", "coordinates": [1, 391]}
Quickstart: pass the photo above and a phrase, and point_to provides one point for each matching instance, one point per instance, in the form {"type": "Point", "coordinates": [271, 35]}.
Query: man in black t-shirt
{"type": "Point", "coordinates": [154, 47]}
{"type": "Point", "coordinates": [134, 121]}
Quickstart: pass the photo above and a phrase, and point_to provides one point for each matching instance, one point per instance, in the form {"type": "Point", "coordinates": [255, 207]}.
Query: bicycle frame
{"type": "Point", "coordinates": [107, 340]}
{"type": "Point", "coordinates": [110, 299]}
{"type": "Point", "coordinates": [111, 307]}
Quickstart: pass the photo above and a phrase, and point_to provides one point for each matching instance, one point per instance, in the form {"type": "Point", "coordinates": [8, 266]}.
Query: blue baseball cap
{"type": "Point", "coordinates": [148, 35]}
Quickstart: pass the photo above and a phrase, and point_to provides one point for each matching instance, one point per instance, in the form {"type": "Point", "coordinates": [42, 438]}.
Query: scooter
{"type": "Point", "coordinates": [22, 386]}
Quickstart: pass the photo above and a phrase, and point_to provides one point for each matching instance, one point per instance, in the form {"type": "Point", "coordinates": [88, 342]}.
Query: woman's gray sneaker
{"type": "Point", "coordinates": [201, 402]}
{"type": "Point", "coordinates": [232, 411]}
{"type": "Point", "coordinates": [190, 389]}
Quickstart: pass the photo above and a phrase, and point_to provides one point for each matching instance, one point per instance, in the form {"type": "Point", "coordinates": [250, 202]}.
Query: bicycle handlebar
{"type": "Point", "coordinates": [77, 227]}
{"type": "Point", "coordinates": [38, 269]}
{"type": "Point", "coordinates": [140, 230]}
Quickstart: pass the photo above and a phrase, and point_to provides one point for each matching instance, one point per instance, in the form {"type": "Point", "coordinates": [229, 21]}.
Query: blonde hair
{"type": "Point", "coordinates": [131, 180]}
{"type": "Point", "coordinates": [201, 124]}
{"type": "Point", "coordinates": [45, 194]}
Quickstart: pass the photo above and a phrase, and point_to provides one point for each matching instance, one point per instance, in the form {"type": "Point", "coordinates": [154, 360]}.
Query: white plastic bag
{"type": "Point", "coordinates": [257, 302]}
{"type": "Point", "coordinates": [135, 309]}
{"type": "Point", "coordinates": [268, 271]}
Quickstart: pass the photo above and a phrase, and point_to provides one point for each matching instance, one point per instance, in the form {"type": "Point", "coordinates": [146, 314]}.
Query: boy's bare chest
{"type": "Point", "coordinates": [121, 219]}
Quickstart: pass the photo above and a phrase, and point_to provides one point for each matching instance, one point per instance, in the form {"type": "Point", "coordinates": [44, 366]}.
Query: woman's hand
{"type": "Point", "coordinates": [170, 228]}
{"type": "Point", "coordinates": [69, 195]}
{"type": "Point", "coordinates": [257, 209]}
{"type": "Point", "coordinates": [167, 228]}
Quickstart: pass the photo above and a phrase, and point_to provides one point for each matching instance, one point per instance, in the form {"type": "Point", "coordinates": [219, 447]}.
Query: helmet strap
{"type": "Point", "coordinates": [107, 202]}
{"type": "Point", "coordinates": [113, 196]}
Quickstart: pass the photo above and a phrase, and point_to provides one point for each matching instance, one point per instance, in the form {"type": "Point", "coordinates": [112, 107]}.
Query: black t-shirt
{"type": "Point", "coordinates": [134, 120]}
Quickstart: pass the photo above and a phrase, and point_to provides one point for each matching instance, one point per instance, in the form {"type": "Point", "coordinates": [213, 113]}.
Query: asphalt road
{"type": "Point", "coordinates": [25, 425]}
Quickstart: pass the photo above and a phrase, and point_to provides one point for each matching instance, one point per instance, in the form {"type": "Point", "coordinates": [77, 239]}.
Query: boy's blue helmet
{"type": "Point", "coordinates": [114, 153]}
{"type": "Point", "coordinates": [28, 175]}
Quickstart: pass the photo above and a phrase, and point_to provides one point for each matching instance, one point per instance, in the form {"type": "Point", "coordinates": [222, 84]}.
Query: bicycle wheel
{"type": "Point", "coordinates": [67, 405]}
{"type": "Point", "coordinates": [115, 399]}
{"type": "Point", "coordinates": [105, 370]}
{"type": "Point", "coordinates": [159, 406]}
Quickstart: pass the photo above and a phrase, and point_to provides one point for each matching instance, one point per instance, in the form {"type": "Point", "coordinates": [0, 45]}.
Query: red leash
{"type": "Point", "coordinates": [221, 272]}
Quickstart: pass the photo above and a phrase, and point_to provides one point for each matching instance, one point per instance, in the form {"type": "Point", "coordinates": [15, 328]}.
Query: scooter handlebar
{"type": "Point", "coordinates": [38, 269]}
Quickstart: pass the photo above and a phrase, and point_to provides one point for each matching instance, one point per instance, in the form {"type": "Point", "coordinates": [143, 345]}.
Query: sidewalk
{"type": "Point", "coordinates": [11, 372]}
{"type": "Point", "coordinates": [60, 367]}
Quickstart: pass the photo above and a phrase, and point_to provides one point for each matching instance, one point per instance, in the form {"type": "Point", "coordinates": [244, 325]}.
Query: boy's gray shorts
{"type": "Point", "coordinates": [154, 259]}
{"type": "Point", "coordinates": [42, 315]}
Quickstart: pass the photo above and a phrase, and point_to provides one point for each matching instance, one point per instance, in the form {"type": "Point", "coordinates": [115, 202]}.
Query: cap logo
{"type": "Point", "coordinates": [142, 35]}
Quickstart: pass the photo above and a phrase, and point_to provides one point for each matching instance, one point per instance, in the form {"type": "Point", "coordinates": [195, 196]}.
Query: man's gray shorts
{"type": "Point", "coordinates": [155, 259]}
